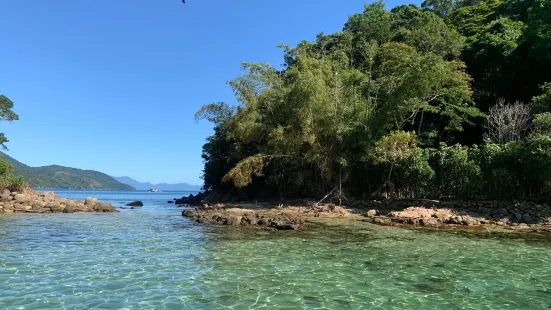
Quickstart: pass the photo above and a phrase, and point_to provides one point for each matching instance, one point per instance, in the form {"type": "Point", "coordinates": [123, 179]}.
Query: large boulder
{"type": "Point", "coordinates": [80, 207]}
{"type": "Point", "coordinates": [37, 205]}
{"type": "Point", "coordinates": [8, 206]}
{"type": "Point", "coordinates": [68, 209]}
{"type": "Point", "coordinates": [135, 204]}
{"type": "Point", "coordinates": [22, 198]}
{"type": "Point", "coordinates": [233, 220]}
{"type": "Point", "coordinates": [90, 201]}
{"type": "Point", "coordinates": [55, 207]}
{"type": "Point", "coordinates": [429, 222]}
{"type": "Point", "coordinates": [104, 207]}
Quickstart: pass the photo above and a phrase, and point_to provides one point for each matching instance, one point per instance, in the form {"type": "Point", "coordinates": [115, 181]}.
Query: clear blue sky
{"type": "Point", "coordinates": [113, 85]}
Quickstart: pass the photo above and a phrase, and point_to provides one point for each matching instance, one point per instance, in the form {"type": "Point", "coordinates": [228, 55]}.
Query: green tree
{"type": "Point", "coordinates": [426, 31]}
{"type": "Point", "coordinates": [393, 148]}
{"type": "Point", "coordinates": [542, 124]}
{"type": "Point", "coordinates": [439, 7]}
{"type": "Point", "coordinates": [325, 118]}
{"type": "Point", "coordinates": [542, 103]}
{"type": "Point", "coordinates": [6, 114]}
{"type": "Point", "coordinates": [471, 17]}
{"type": "Point", "coordinates": [413, 176]}
{"type": "Point", "coordinates": [492, 60]}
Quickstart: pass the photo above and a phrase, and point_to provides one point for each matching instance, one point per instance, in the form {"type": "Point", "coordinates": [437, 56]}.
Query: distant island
{"type": "Point", "coordinates": [55, 176]}
{"type": "Point", "coordinates": [161, 186]}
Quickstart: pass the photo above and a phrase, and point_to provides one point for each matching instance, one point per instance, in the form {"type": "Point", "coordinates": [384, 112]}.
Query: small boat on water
{"type": "Point", "coordinates": [153, 190]}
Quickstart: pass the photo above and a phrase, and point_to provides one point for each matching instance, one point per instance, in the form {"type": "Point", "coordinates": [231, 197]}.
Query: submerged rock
{"type": "Point", "coordinates": [135, 204]}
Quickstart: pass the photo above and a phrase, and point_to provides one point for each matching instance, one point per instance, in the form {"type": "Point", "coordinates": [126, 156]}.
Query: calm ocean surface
{"type": "Point", "coordinates": [153, 258]}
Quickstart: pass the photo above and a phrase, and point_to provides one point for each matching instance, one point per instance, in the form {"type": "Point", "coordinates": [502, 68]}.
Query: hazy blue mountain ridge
{"type": "Point", "coordinates": [161, 186]}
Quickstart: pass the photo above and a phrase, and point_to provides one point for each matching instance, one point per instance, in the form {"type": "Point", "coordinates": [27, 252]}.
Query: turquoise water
{"type": "Point", "coordinates": [153, 258]}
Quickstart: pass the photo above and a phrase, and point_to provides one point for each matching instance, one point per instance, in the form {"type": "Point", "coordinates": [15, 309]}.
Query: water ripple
{"type": "Point", "coordinates": [155, 259]}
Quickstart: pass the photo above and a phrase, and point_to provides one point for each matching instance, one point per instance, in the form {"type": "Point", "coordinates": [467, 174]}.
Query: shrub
{"type": "Point", "coordinates": [414, 175]}
{"type": "Point", "coordinates": [7, 179]}
{"type": "Point", "coordinates": [456, 174]}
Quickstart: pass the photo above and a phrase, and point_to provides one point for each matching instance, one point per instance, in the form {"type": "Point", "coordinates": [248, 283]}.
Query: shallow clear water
{"type": "Point", "coordinates": [153, 258]}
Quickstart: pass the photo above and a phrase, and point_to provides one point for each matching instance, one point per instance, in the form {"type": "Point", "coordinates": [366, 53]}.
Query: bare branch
{"type": "Point", "coordinates": [507, 122]}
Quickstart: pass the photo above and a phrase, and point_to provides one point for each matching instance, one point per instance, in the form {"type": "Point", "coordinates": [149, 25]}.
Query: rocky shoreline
{"type": "Point", "coordinates": [453, 213]}
{"type": "Point", "coordinates": [29, 201]}
{"type": "Point", "coordinates": [263, 216]}
{"type": "Point", "coordinates": [523, 216]}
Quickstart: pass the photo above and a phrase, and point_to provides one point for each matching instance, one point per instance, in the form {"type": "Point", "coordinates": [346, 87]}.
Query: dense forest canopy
{"type": "Point", "coordinates": [7, 178]}
{"type": "Point", "coordinates": [450, 99]}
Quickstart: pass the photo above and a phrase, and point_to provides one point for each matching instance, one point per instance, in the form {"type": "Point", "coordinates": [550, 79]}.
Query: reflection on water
{"type": "Point", "coordinates": [154, 258]}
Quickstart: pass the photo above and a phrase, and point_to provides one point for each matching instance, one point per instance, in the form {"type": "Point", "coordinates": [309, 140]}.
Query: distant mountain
{"type": "Point", "coordinates": [64, 177]}
{"type": "Point", "coordinates": [161, 186]}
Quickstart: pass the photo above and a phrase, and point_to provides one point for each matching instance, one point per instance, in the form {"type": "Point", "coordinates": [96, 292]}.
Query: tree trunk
{"type": "Point", "coordinates": [420, 123]}
{"type": "Point", "coordinates": [340, 187]}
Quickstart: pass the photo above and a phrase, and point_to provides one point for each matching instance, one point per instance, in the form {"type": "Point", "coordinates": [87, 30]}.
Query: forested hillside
{"type": "Point", "coordinates": [63, 177]}
{"type": "Point", "coordinates": [450, 99]}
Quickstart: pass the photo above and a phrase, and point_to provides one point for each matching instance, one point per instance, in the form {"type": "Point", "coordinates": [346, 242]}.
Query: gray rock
{"type": "Point", "coordinates": [135, 204]}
